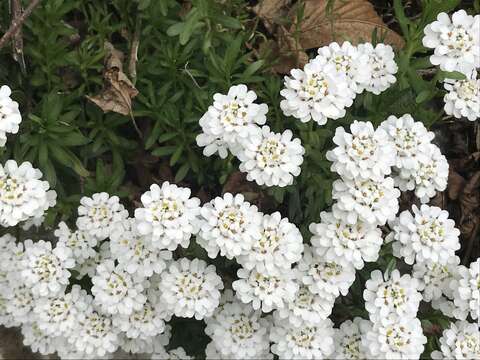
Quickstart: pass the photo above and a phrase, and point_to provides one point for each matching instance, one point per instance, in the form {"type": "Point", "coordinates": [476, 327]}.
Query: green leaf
{"type": "Point", "coordinates": [182, 172]}
{"type": "Point", "coordinates": [253, 68]}
{"type": "Point", "coordinates": [455, 75]}
{"type": "Point", "coordinates": [175, 29]}
{"type": "Point", "coordinates": [166, 136]}
{"type": "Point", "coordinates": [67, 158]}
{"type": "Point", "coordinates": [176, 155]}
{"type": "Point", "coordinates": [162, 151]}
{"type": "Point", "coordinates": [423, 96]}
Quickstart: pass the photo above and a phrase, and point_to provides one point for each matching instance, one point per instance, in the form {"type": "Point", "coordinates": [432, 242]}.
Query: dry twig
{"type": "Point", "coordinates": [17, 22]}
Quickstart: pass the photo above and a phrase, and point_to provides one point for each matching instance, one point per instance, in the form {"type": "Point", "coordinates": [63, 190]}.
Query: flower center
{"type": "Point", "coordinates": [11, 190]}
{"type": "Point", "coordinates": [242, 328]}
{"type": "Point", "coordinates": [431, 231]}
{"type": "Point", "coordinates": [363, 147]}
{"type": "Point", "coordinates": [458, 41]}
{"type": "Point", "coordinates": [393, 294]}
{"type": "Point", "coordinates": [190, 285]}
{"type": "Point", "coordinates": [269, 241]}
{"type": "Point", "coordinates": [231, 221]}
{"type": "Point", "coordinates": [117, 285]}
{"type": "Point", "coordinates": [270, 153]}
{"type": "Point", "coordinates": [314, 86]}
{"type": "Point", "coordinates": [396, 338]}
{"type": "Point", "coordinates": [234, 114]}
{"type": "Point", "coordinates": [166, 209]}
{"type": "Point", "coordinates": [352, 347]}
{"type": "Point", "coordinates": [303, 337]}
{"type": "Point", "coordinates": [46, 266]}
{"type": "Point", "coordinates": [467, 90]}
{"type": "Point", "coordinates": [305, 298]}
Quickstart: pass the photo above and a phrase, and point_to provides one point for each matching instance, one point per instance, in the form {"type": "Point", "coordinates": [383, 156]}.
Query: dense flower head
{"type": "Point", "coordinates": [336, 240]}
{"type": "Point", "coordinates": [36, 339]}
{"type": "Point", "coordinates": [265, 291]}
{"type": "Point", "coordinates": [100, 215]}
{"type": "Point", "coordinates": [370, 201]}
{"type": "Point", "coordinates": [364, 153]}
{"type": "Point", "coordinates": [271, 159]}
{"type": "Point", "coordinates": [146, 346]}
{"type": "Point", "coordinates": [463, 97]}
{"type": "Point", "coordinates": [174, 354]}
{"type": "Point", "coordinates": [229, 225]}
{"type": "Point", "coordinates": [136, 253]}
{"type": "Point", "coordinates": [79, 242]}
{"type": "Point", "coordinates": [399, 339]}
{"type": "Point", "coordinates": [316, 92]}
{"type": "Point", "coordinates": [391, 296]}
{"type": "Point", "coordinates": [456, 41]}
{"type": "Point", "coordinates": [239, 331]}
{"type": "Point", "coordinates": [279, 246]}
{"type": "Point", "coordinates": [348, 339]}
{"type": "Point", "coordinates": [409, 138]}
{"type": "Point", "coordinates": [115, 291]}
{"type": "Point", "coordinates": [10, 117]}
{"type": "Point", "coordinates": [381, 66]}
{"type": "Point", "coordinates": [430, 176]}
{"type": "Point", "coordinates": [303, 342]}
{"type": "Point", "coordinates": [19, 302]}
{"type": "Point", "coordinates": [168, 216]}
{"type": "Point", "coordinates": [466, 291]}
{"type": "Point", "coordinates": [460, 341]}
{"type": "Point", "coordinates": [45, 269]}
{"type": "Point", "coordinates": [425, 234]}
{"type": "Point", "coordinates": [191, 288]}
{"type": "Point", "coordinates": [89, 266]}
{"type": "Point", "coordinates": [232, 117]}
{"type": "Point", "coordinates": [23, 195]}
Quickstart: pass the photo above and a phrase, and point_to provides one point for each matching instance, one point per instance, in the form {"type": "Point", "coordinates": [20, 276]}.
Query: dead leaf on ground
{"type": "Point", "coordinates": [470, 206]}
{"type": "Point", "coordinates": [456, 184]}
{"type": "Point", "coordinates": [118, 90]}
{"type": "Point", "coordinates": [271, 11]}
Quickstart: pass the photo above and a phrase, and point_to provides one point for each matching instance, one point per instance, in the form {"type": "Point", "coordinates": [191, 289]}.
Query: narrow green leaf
{"type": "Point", "coordinates": [182, 172]}
{"type": "Point", "coordinates": [176, 155]}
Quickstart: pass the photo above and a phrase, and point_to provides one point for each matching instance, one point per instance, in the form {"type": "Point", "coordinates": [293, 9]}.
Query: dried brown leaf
{"type": "Point", "coordinates": [470, 206]}
{"type": "Point", "coordinates": [270, 11]}
{"type": "Point", "coordinates": [456, 183]}
{"type": "Point", "coordinates": [118, 90]}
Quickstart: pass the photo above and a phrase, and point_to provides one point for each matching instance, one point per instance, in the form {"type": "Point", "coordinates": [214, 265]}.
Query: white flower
{"type": "Point", "coordinates": [303, 342]}
{"type": "Point", "coordinates": [22, 194]}
{"type": "Point", "coordinates": [190, 288]}
{"type": "Point", "coordinates": [316, 92]}
{"type": "Point", "coordinates": [175, 354]}
{"type": "Point", "coordinates": [271, 159]}
{"type": "Point", "coordinates": [148, 345]}
{"type": "Point", "coordinates": [348, 339]}
{"type": "Point", "coordinates": [169, 216]}
{"type": "Point", "coordinates": [430, 176]}
{"type": "Point", "coordinates": [460, 341]}
{"type": "Point", "coordinates": [116, 291]}
{"type": "Point", "coordinates": [466, 291]}
{"type": "Point", "coordinates": [239, 331]}
{"type": "Point", "coordinates": [280, 245]}
{"type": "Point", "coordinates": [230, 119]}
{"type": "Point", "coordinates": [136, 253]}
{"type": "Point", "coordinates": [337, 241]}
{"type": "Point", "coordinates": [45, 269]}
{"type": "Point", "coordinates": [20, 302]}
{"type": "Point", "coordinates": [391, 296]}
{"type": "Point", "coordinates": [381, 66]}
{"type": "Point", "coordinates": [435, 278]}
{"type": "Point", "coordinates": [35, 222]}
{"type": "Point", "coordinates": [10, 117]}
{"type": "Point", "coordinates": [57, 316]}
{"type": "Point", "coordinates": [100, 215]}
{"type": "Point", "coordinates": [6, 318]}
{"type": "Point", "coordinates": [229, 225]}
{"type": "Point", "coordinates": [38, 340]}
{"type": "Point", "coordinates": [80, 242]}
{"type": "Point", "coordinates": [426, 235]}
{"type": "Point", "coordinates": [365, 153]}
{"type": "Point", "coordinates": [267, 292]}
{"type": "Point", "coordinates": [399, 339]}
{"type": "Point", "coordinates": [346, 60]}
{"type": "Point", "coordinates": [463, 98]}
{"type": "Point", "coordinates": [89, 266]}
{"type": "Point", "coordinates": [323, 276]}
{"type": "Point", "coordinates": [456, 41]}
{"type": "Point", "coordinates": [307, 307]}
{"type": "Point", "coordinates": [374, 202]}
{"type": "Point", "coordinates": [409, 138]}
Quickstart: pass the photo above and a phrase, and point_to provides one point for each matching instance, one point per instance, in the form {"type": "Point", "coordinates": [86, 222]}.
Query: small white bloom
{"type": "Point", "coordinates": [100, 215]}
{"type": "Point", "coordinates": [373, 202]}
{"type": "Point", "coordinates": [399, 339]}
{"type": "Point", "coordinates": [38, 340]}
{"type": "Point", "coordinates": [456, 41]}
{"type": "Point", "coordinates": [460, 341]}
{"type": "Point", "coordinates": [316, 92]}
{"type": "Point", "coordinates": [175, 354]}
{"type": "Point", "coordinates": [229, 225]}
{"type": "Point", "coordinates": [267, 292]}
{"type": "Point", "coordinates": [391, 296]}
{"type": "Point", "coordinates": [280, 245]}
{"type": "Point", "coordinates": [80, 242]}
{"type": "Point", "coordinates": [22, 194]}
{"type": "Point", "coordinates": [303, 342]}
{"type": "Point", "coordinates": [45, 269]}
{"type": "Point", "coordinates": [10, 117]}
{"type": "Point", "coordinates": [430, 176]}
{"type": "Point", "coordinates": [190, 288]}
{"type": "Point", "coordinates": [89, 266]}
{"type": "Point", "coordinates": [348, 339]}
{"type": "Point", "coordinates": [169, 216]}
{"type": "Point", "coordinates": [148, 345]}
{"type": "Point", "coordinates": [337, 241]}
{"type": "Point", "coordinates": [365, 153]}
{"type": "Point", "coordinates": [20, 302]}
{"type": "Point", "coordinates": [381, 66]}
{"type": "Point", "coordinates": [271, 159]}
{"type": "Point", "coordinates": [212, 144]}
{"type": "Point", "coordinates": [116, 291]}
{"type": "Point", "coordinates": [34, 222]}
{"type": "Point", "coordinates": [463, 98]}
{"type": "Point", "coordinates": [323, 276]}
{"type": "Point", "coordinates": [409, 138]}
{"type": "Point", "coordinates": [466, 291]}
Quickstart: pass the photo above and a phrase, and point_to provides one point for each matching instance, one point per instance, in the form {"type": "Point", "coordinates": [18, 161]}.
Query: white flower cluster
{"type": "Point", "coordinates": [463, 97]}
{"type": "Point", "coordinates": [233, 123]}
{"type": "Point", "coordinates": [329, 83]}
{"type": "Point", "coordinates": [460, 341]}
{"type": "Point", "coordinates": [10, 117]}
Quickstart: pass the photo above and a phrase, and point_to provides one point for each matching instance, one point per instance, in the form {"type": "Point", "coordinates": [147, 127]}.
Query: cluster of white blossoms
{"type": "Point", "coordinates": [460, 341]}
{"type": "Point", "coordinates": [329, 83]}
{"type": "Point", "coordinates": [10, 117]}
{"type": "Point", "coordinates": [456, 44]}
{"type": "Point", "coordinates": [233, 123]}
